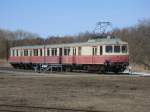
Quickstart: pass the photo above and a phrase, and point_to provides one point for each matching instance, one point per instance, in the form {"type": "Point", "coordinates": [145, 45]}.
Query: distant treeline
{"type": "Point", "coordinates": [137, 36]}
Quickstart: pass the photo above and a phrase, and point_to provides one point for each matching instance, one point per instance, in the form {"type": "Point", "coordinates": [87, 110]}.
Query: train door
{"type": "Point", "coordinates": [74, 55]}
{"type": "Point", "coordinates": [94, 53]}
{"type": "Point", "coordinates": [60, 55]}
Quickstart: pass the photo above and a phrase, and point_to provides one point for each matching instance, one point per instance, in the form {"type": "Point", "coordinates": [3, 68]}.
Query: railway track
{"type": "Point", "coordinates": [21, 108]}
{"type": "Point", "coordinates": [16, 71]}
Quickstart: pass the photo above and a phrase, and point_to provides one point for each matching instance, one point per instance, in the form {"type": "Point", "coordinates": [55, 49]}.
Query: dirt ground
{"type": "Point", "coordinates": [103, 93]}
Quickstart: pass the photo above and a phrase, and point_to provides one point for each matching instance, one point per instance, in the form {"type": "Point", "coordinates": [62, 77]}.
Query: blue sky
{"type": "Point", "coordinates": [69, 17]}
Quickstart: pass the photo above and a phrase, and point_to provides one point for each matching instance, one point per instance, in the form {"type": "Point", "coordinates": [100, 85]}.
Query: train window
{"type": "Point", "coordinates": [21, 53]}
{"type": "Point", "coordinates": [94, 51]}
{"type": "Point", "coordinates": [54, 51]}
{"type": "Point", "coordinates": [116, 49]}
{"type": "Point", "coordinates": [124, 49]}
{"type": "Point", "coordinates": [35, 51]}
{"type": "Point", "coordinates": [101, 50]}
{"type": "Point", "coordinates": [41, 52]}
{"type": "Point", "coordinates": [48, 52]}
{"type": "Point", "coordinates": [25, 52]}
{"type": "Point", "coordinates": [109, 49]}
{"type": "Point", "coordinates": [30, 53]}
{"type": "Point", "coordinates": [66, 51]}
{"type": "Point", "coordinates": [13, 52]}
{"type": "Point", "coordinates": [79, 50]}
{"type": "Point", "coordinates": [74, 51]}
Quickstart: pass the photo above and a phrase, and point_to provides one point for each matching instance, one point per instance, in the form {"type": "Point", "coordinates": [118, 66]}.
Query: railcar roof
{"type": "Point", "coordinates": [91, 42]}
{"type": "Point", "coordinates": [29, 47]}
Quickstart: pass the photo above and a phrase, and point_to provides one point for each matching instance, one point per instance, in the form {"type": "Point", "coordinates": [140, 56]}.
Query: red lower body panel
{"type": "Point", "coordinates": [69, 59]}
{"type": "Point", "coordinates": [52, 59]}
{"type": "Point", "coordinates": [15, 59]}
{"type": "Point", "coordinates": [93, 59]}
{"type": "Point", "coordinates": [37, 59]}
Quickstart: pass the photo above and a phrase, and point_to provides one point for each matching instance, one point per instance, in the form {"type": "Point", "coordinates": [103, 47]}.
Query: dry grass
{"type": "Point", "coordinates": [96, 92]}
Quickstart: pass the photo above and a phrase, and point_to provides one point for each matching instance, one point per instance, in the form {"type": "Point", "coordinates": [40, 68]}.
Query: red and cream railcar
{"type": "Point", "coordinates": [106, 54]}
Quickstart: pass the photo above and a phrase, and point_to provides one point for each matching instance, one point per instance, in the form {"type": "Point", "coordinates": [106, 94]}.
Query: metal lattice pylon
{"type": "Point", "coordinates": [101, 27]}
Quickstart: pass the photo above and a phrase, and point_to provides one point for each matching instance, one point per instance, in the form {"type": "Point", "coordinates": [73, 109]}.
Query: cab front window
{"type": "Point", "coordinates": [117, 49]}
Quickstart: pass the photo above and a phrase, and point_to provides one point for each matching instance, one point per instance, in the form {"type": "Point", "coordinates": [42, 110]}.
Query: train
{"type": "Point", "coordinates": [106, 54]}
